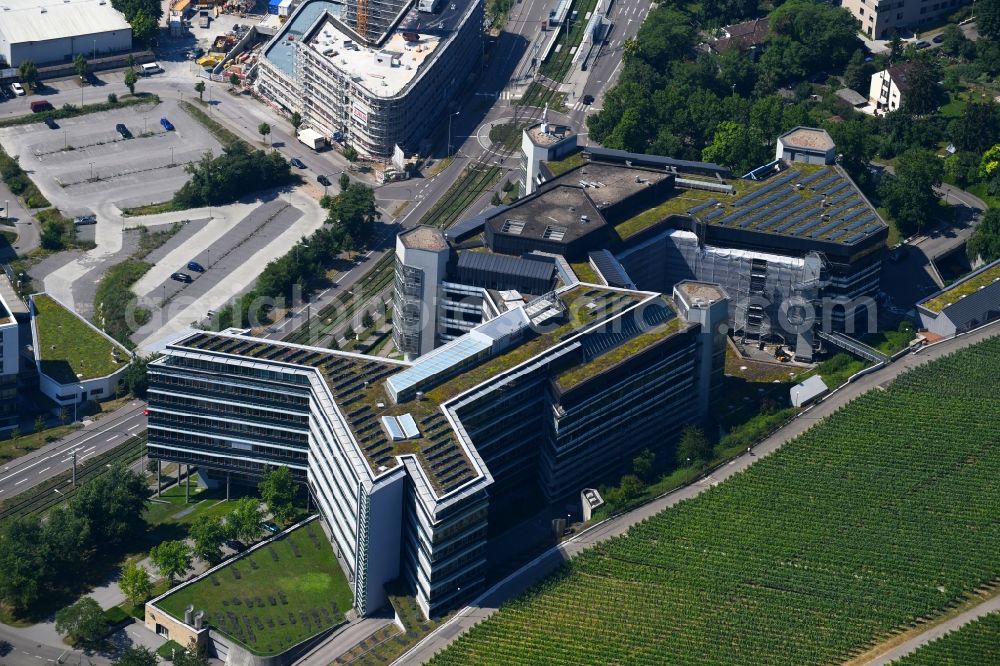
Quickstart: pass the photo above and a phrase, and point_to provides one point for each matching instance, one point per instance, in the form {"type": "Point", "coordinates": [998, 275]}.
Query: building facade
{"type": "Point", "coordinates": [52, 31]}
{"type": "Point", "coordinates": [881, 19]}
{"type": "Point", "coordinates": [889, 88]}
{"type": "Point", "coordinates": [407, 462]}
{"type": "Point", "coordinates": [387, 87]}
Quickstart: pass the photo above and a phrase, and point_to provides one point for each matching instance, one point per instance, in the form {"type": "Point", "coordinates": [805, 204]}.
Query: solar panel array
{"type": "Point", "coordinates": [791, 211]}
{"type": "Point", "coordinates": [787, 178]}
{"type": "Point", "coordinates": [700, 207]}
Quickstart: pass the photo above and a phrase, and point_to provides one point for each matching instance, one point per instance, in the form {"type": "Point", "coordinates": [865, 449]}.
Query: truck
{"type": "Point", "coordinates": [312, 138]}
{"type": "Point", "coordinates": [204, 18]}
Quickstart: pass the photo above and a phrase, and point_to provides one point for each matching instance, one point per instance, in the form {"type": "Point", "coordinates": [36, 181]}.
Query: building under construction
{"type": "Point", "coordinates": [373, 74]}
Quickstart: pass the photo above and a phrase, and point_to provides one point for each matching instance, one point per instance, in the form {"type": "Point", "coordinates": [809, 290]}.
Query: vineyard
{"type": "Point", "coordinates": [883, 514]}
{"type": "Point", "coordinates": [975, 644]}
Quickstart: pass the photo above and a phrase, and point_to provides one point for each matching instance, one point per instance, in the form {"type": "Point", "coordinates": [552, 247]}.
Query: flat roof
{"type": "Point", "coordinates": [281, 49]}
{"type": "Point", "coordinates": [69, 348]}
{"type": "Point", "coordinates": [808, 138]}
{"type": "Point", "coordinates": [384, 70]}
{"type": "Point", "coordinates": [555, 214]}
{"type": "Point", "coordinates": [703, 290]}
{"type": "Point", "coordinates": [608, 184]}
{"type": "Point", "coordinates": [796, 200]}
{"type": "Point", "coordinates": [986, 277]}
{"type": "Point", "coordinates": [554, 135]}
{"type": "Point", "coordinates": [42, 20]}
{"type": "Point", "coordinates": [424, 237]}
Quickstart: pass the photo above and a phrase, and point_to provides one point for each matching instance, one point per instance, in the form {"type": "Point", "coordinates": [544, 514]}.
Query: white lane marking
{"type": "Point", "coordinates": [44, 470]}
{"type": "Point", "coordinates": [137, 425]}
{"type": "Point", "coordinates": [20, 482]}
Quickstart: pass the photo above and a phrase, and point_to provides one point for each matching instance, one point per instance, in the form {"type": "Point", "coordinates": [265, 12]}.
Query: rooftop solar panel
{"type": "Point", "coordinates": [826, 182]}
{"type": "Point", "coordinates": [819, 173]}
{"type": "Point", "coordinates": [798, 231]}
{"type": "Point", "coordinates": [787, 178]}
{"type": "Point", "coordinates": [791, 211]}
{"type": "Point", "coordinates": [836, 188]}
{"type": "Point", "coordinates": [714, 214]}
{"type": "Point", "coordinates": [836, 234]}
{"type": "Point", "coordinates": [701, 207]}
{"type": "Point", "coordinates": [825, 228]}
{"type": "Point", "coordinates": [798, 218]}
{"type": "Point", "coordinates": [860, 223]}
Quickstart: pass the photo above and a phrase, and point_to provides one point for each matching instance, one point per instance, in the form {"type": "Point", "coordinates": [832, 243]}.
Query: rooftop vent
{"type": "Point", "coordinates": [512, 227]}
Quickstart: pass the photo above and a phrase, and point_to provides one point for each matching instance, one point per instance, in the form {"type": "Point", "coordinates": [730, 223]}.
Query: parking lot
{"type": "Point", "coordinates": [86, 166]}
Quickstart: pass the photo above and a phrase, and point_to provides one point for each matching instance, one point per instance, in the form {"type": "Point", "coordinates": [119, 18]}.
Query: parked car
{"type": "Point", "coordinates": [180, 277]}
{"type": "Point", "coordinates": [588, 99]}
{"type": "Point", "coordinates": [324, 181]}
{"type": "Point", "coordinates": [922, 44]}
{"type": "Point", "coordinates": [121, 129]}
{"type": "Point", "coordinates": [38, 106]}
{"type": "Point", "coordinates": [236, 545]}
{"type": "Point", "coordinates": [17, 89]}
{"type": "Point", "coordinates": [167, 125]}
{"type": "Point", "coordinates": [151, 68]}
{"type": "Point", "coordinates": [270, 527]}
{"type": "Point", "coordinates": [297, 163]}
{"type": "Point", "coordinates": [196, 267]}
{"type": "Point", "coordinates": [52, 124]}
{"type": "Point", "coordinates": [85, 219]}
{"type": "Point", "coordinates": [938, 39]}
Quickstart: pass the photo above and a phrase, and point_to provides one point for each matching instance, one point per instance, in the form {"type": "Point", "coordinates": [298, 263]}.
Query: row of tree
{"type": "Point", "coordinates": [44, 559]}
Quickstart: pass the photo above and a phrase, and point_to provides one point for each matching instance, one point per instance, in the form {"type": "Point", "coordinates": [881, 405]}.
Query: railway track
{"type": "Point", "coordinates": [43, 496]}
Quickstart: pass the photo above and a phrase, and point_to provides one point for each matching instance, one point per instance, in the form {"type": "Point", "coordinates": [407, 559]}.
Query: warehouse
{"type": "Point", "coordinates": [51, 31]}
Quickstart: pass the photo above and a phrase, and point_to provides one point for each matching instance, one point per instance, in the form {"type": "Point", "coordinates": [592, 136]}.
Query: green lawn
{"type": "Point", "coordinates": [275, 598]}
{"type": "Point", "coordinates": [170, 507]}
{"type": "Point", "coordinates": [69, 347]}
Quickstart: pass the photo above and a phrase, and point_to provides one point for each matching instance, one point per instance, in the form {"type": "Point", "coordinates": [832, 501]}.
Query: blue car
{"type": "Point", "coordinates": [196, 267]}
{"type": "Point", "coordinates": [167, 125]}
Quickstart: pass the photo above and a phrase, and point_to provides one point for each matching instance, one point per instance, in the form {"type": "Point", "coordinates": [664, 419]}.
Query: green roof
{"type": "Point", "coordinates": [70, 348]}
{"type": "Point", "coordinates": [963, 288]}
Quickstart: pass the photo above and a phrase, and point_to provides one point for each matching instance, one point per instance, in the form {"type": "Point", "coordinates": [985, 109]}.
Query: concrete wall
{"type": "Point", "coordinates": [176, 630]}
{"type": "Point", "coordinates": [385, 511]}
{"type": "Point", "coordinates": [58, 50]}
{"type": "Point", "coordinates": [67, 395]}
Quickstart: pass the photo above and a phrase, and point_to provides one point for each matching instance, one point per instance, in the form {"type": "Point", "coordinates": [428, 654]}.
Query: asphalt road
{"type": "Point", "coordinates": [531, 573]}
{"type": "Point", "coordinates": [93, 439]}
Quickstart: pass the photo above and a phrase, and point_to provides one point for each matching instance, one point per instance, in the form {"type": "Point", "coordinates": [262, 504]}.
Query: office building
{"type": "Point", "coordinates": [375, 84]}
{"type": "Point", "coordinates": [407, 462]}
{"type": "Point", "coordinates": [53, 31]}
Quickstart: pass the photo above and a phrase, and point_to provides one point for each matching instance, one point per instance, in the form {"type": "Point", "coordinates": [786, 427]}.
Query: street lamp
{"type": "Point", "coordinates": [6, 211]}
{"type": "Point", "coordinates": [450, 116]}
{"type": "Point", "coordinates": [144, 124]}
{"type": "Point", "coordinates": [91, 170]}
{"type": "Point", "coordinates": [65, 139]}
{"type": "Point", "coordinates": [172, 163]}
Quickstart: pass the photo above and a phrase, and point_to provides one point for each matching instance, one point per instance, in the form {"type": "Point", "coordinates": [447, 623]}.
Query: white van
{"type": "Point", "coordinates": [151, 68]}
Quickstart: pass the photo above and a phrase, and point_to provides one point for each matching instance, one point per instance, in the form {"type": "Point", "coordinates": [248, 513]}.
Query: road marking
{"type": "Point", "coordinates": [44, 470]}
{"type": "Point", "coordinates": [88, 455]}
{"type": "Point", "coordinates": [91, 448]}
{"type": "Point", "coordinates": [110, 438]}
{"type": "Point", "coordinates": [137, 425]}
{"type": "Point", "coordinates": [17, 484]}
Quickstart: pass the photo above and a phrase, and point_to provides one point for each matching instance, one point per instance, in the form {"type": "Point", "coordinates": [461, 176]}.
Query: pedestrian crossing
{"type": "Point", "coordinates": [580, 106]}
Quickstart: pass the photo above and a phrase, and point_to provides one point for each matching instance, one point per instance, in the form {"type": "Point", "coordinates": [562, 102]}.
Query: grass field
{"type": "Point", "coordinates": [70, 349]}
{"type": "Point", "coordinates": [275, 598]}
{"type": "Point", "coordinates": [975, 644]}
{"type": "Point", "coordinates": [882, 514]}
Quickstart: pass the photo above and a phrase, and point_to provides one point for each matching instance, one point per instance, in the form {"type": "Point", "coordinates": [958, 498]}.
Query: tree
{"type": "Point", "coordinates": [354, 209]}
{"type": "Point", "coordinates": [367, 321]}
{"type": "Point", "coordinates": [39, 424]}
{"type": "Point", "coordinates": [350, 153]}
{"type": "Point", "coordinates": [80, 65]}
{"type": "Point", "coordinates": [65, 538]}
{"type": "Point", "coordinates": [895, 47]}
{"type": "Point", "coordinates": [200, 89]}
{"type": "Point", "coordinates": [28, 73]}
{"type": "Point", "coordinates": [924, 93]}
{"type": "Point", "coordinates": [495, 199]}
{"type": "Point", "coordinates": [208, 534]}
{"type": "Point", "coordinates": [344, 181]}
{"type": "Point", "coordinates": [130, 61]}
{"type": "Point", "coordinates": [988, 19]}
{"type": "Point", "coordinates": [296, 120]}
{"type": "Point", "coordinates": [984, 243]}
{"type": "Point", "coordinates": [135, 583]}
{"type": "Point", "coordinates": [136, 656]}
{"type": "Point", "coordinates": [736, 145]}
{"type": "Point", "coordinates": [15, 432]}
{"type": "Point", "coordinates": [264, 130]}
{"type": "Point", "coordinates": [112, 505]}
{"type": "Point", "coordinates": [909, 194]}
{"type": "Point", "coordinates": [642, 464]}
{"type": "Point", "coordinates": [858, 73]}
{"type": "Point", "coordinates": [826, 35]}
{"type": "Point", "coordinates": [244, 520]}
{"type": "Point", "coordinates": [977, 128]}
{"type": "Point", "coordinates": [131, 78]}
{"type": "Point", "coordinates": [23, 565]}
{"type": "Point", "coordinates": [171, 558]}
{"type": "Point", "coordinates": [234, 80]}
{"type": "Point", "coordinates": [83, 622]}
{"type": "Point", "coordinates": [135, 377]}
{"type": "Point", "coordinates": [112, 99]}
{"type": "Point", "coordinates": [694, 447]}
{"type": "Point", "coordinates": [142, 15]}
{"type": "Point", "coordinates": [277, 489]}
